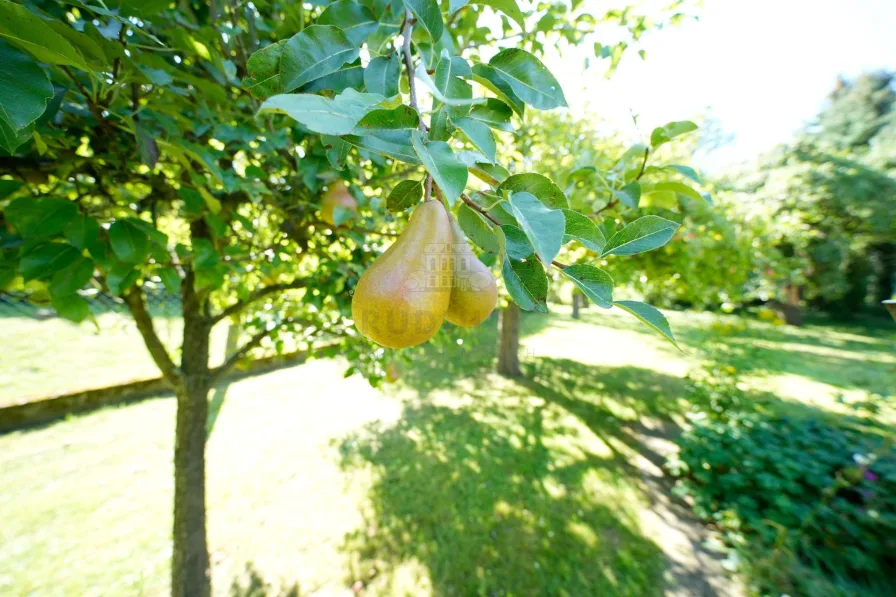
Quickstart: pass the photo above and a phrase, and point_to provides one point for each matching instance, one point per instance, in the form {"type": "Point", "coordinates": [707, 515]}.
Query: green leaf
{"type": "Point", "coordinates": [584, 230]}
{"type": "Point", "coordinates": [356, 21]}
{"type": "Point", "coordinates": [527, 284]}
{"type": "Point", "coordinates": [401, 117]}
{"type": "Point", "coordinates": [664, 134]}
{"type": "Point", "coordinates": [9, 186]}
{"type": "Point", "coordinates": [24, 88]}
{"type": "Point", "coordinates": [644, 234]}
{"type": "Point", "coordinates": [170, 279]}
{"type": "Point", "coordinates": [264, 71]}
{"type": "Point", "coordinates": [508, 7]}
{"type": "Point", "coordinates": [337, 150]}
{"type": "Point", "coordinates": [120, 278]}
{"type": "Point", "coordinates": [516, 242]}
{"type": "Point", "coordinates": [83, 232]}
{"type": "Point", "coordinates": [25, 30]}
{"type": "Point", "coordinates": [446, 170]}
{"type": "Point", "coordinates": [489, 78]}
{"type": "Point", "coordinates": [337, 116]}
{"type": "Point", "coordinates": [544, 227]}
{"type": "Point", "coordinates": [478, 229]}
{"type": "Point", "coordinates": [349, 76]}
{"type": "Point", "coordinates": [679, 188]}
{"type": "Point", "coordinates": [382, 75]}
{"type": "Point", "coordinates": [595, 283]}
{"type": "Point", "coordinates": [45, 260]}
{"type": "Point", "coordinates": [542, 187]}
{"type": "Point", "coordinates": [493, 174]}
{"type": "Point", "coordinates": [530, 80]}
{"type": "Point", "coordinates": [130, 242]}
{"type": "Point", "coordinates": [651, 316]}
{"type": "Point", "coordinates": [429, 15]}
{"type": "Point", "coordinates": [11, 139]}
{"type": "Point", "coordinates": [43, 216]}
{"type": "Point", "coordinates": [494, 113]}
{"type": "Point", "coordinates": [450, 85]}
{"type": "Point", "coordinates": [72, 307]}
{"type": "Point", "coordinates": [146, 146]}
{"type": "Point", "coordinates": [312, 53]}
{"type": "Point", "coordinates": [629, 195]}
{"type": "Point", "coordinates": [459, 93]}
{"type": "Point", "coordinates": [404, 195]}
{"type": "Point", "coordinates": [479, 135]}
{"type": "Point", "coordinates": [73, 278]}
{"type": "Point", "coordinates": [392, 144]}
{"type": "Point", "coordinates": [686, 171]}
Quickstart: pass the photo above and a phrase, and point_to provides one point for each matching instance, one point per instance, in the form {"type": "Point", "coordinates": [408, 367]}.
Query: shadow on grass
{"type": "Point", "coordinates": [253, 584]}
{"type": "Point", "coordinates": [515, 487]}
{"type": "Point", "coordinates": [842, 355]}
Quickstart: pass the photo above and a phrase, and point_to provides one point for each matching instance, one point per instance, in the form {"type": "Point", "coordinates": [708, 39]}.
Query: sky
{"type": "Point", "coordinates": [762, 68]}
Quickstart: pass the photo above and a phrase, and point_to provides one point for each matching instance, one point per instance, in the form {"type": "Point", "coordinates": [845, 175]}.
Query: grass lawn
{"type": "Point", "coordinates": [453, 482]}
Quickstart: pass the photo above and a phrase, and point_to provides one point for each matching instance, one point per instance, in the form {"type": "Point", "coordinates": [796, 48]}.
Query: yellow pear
{"type": "Point", "coordinates": [335, 196]}
{"type": "Point", "coordinates": [474, 292]}
{"type": "Point", "coordinates": [401, 299]}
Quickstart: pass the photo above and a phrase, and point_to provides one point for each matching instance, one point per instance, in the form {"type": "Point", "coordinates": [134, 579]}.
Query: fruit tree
{"type": "Point", "coordinates": [253, 159]}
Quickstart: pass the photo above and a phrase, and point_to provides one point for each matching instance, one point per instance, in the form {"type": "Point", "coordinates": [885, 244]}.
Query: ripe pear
{"type": "Point", "coordinates": [335, 196]}
{"type": "Point", "coordinates": [474, 292]}
{"type": "Point", "coordinates": [401, 299]}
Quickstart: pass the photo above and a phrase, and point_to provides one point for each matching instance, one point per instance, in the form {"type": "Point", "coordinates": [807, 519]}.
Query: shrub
{"type": "Point", "coordinates": [810, 507]}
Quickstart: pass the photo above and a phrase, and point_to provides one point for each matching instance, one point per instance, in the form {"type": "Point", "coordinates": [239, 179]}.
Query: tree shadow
{"type": "Point", "coordinates": [252, 584]}
{"type": "Point", "coordinates": [525, 487]}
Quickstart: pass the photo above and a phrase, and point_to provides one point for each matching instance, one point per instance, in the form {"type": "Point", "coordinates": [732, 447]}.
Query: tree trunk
{"type": "Point", "coordinates": [509, 341]}
{"type": "Point", "coordinates": [575, 305]}
{"type": "Point", "coordinates": [190, 574]}
{"type": "Point", "coordinates": [791, 308]}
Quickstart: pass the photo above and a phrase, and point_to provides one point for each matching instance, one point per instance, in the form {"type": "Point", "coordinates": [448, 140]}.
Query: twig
{"type": "Point", "coordinates": [91, 105]}
{"type": "Point", "coordinates": [409, 62]}
{"type": "Point", "coordinates": [352, 229]}
{"type": "Point", "coordinates": [643, 163]}
{"type": "Point", "coordinates": [258, 295]}
{"type": "Point", "coordinates": [479, 208]}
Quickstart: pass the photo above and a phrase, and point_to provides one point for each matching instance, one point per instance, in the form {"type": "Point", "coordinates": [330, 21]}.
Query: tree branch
{"type": "Point", "coordinates": [235, 358]}
{"type": "Point", "coordinates": [136, 303]}
{"type": "Point", "coordinates": [643, 163]}
{"type": "Point", "coordinates": [258, 295]}
{"type": "Point", "coordinates": [482, 210]}
{"type": "Point", "coordinates": [409, 62]}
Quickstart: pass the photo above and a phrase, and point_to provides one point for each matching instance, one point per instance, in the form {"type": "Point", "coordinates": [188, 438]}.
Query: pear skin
{"type": "Point", "coordinates": [335, 196]}
{"type": "Point", "coordinates": [474, 292]}
{"type": "Point", "coordinates": [401, 299]}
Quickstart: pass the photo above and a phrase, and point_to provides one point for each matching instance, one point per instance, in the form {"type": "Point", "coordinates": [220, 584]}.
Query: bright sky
{"type": "Point", "coordinates": [762, 67]}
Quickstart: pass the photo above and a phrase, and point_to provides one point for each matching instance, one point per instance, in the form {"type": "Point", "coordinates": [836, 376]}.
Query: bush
{"type": "Point", "coordinates": [810, 507]}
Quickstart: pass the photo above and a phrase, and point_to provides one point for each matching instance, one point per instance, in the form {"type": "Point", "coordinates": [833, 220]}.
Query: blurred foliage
{"type": "Point", "coordinates": [804, 502]}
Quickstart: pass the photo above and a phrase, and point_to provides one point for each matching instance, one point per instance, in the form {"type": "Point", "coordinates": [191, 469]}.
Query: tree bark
{"type": "Point", "coordinates": [575, 305]}
{"type": "Point", "coordinates": [793, 315]}
{"type": "Point", "coordinates": [190, 574]}
{"type": "Point", "coordinates": [509, 341]}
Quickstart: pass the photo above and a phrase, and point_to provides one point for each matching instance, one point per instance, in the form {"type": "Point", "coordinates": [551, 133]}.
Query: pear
{"type": "Point", "coordinates": [474, 292]}
{"type": "Point", "coordinates": [335, 196]}
{"type": "Point", "coordinates": [401, 299]}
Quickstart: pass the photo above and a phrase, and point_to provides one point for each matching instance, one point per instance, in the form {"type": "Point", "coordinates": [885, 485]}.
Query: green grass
{"type": "Point", "coordinates": [452, 482]}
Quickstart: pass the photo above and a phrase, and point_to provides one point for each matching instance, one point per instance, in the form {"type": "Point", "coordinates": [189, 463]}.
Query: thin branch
{"type": "Point", "coordinates": [409, 62]}
{"type": "Point", "coordinates": [236, 357]}
{"type": "Point", "coordinates": [136, 303]}
{"type": "Point", "coordinates": [323, 224]}
{"type": "Point", "coordinates": [257, 296]}
{"type": "Point", "coordinates": [609, 205]}
{"type": "Point", "coordinates": [91, 105]}
{"type": "Point", "coordinates": [643, 163]}
{"type": "Point", "coordinates": [480, 209]}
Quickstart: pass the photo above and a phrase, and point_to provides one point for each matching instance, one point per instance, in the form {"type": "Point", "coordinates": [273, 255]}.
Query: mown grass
{"type": "Point", "coordinates": [453, 482]}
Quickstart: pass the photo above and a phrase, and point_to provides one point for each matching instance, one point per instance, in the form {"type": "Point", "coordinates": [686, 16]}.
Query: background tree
{"type": "Point", "coordinates": [146, 150]}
